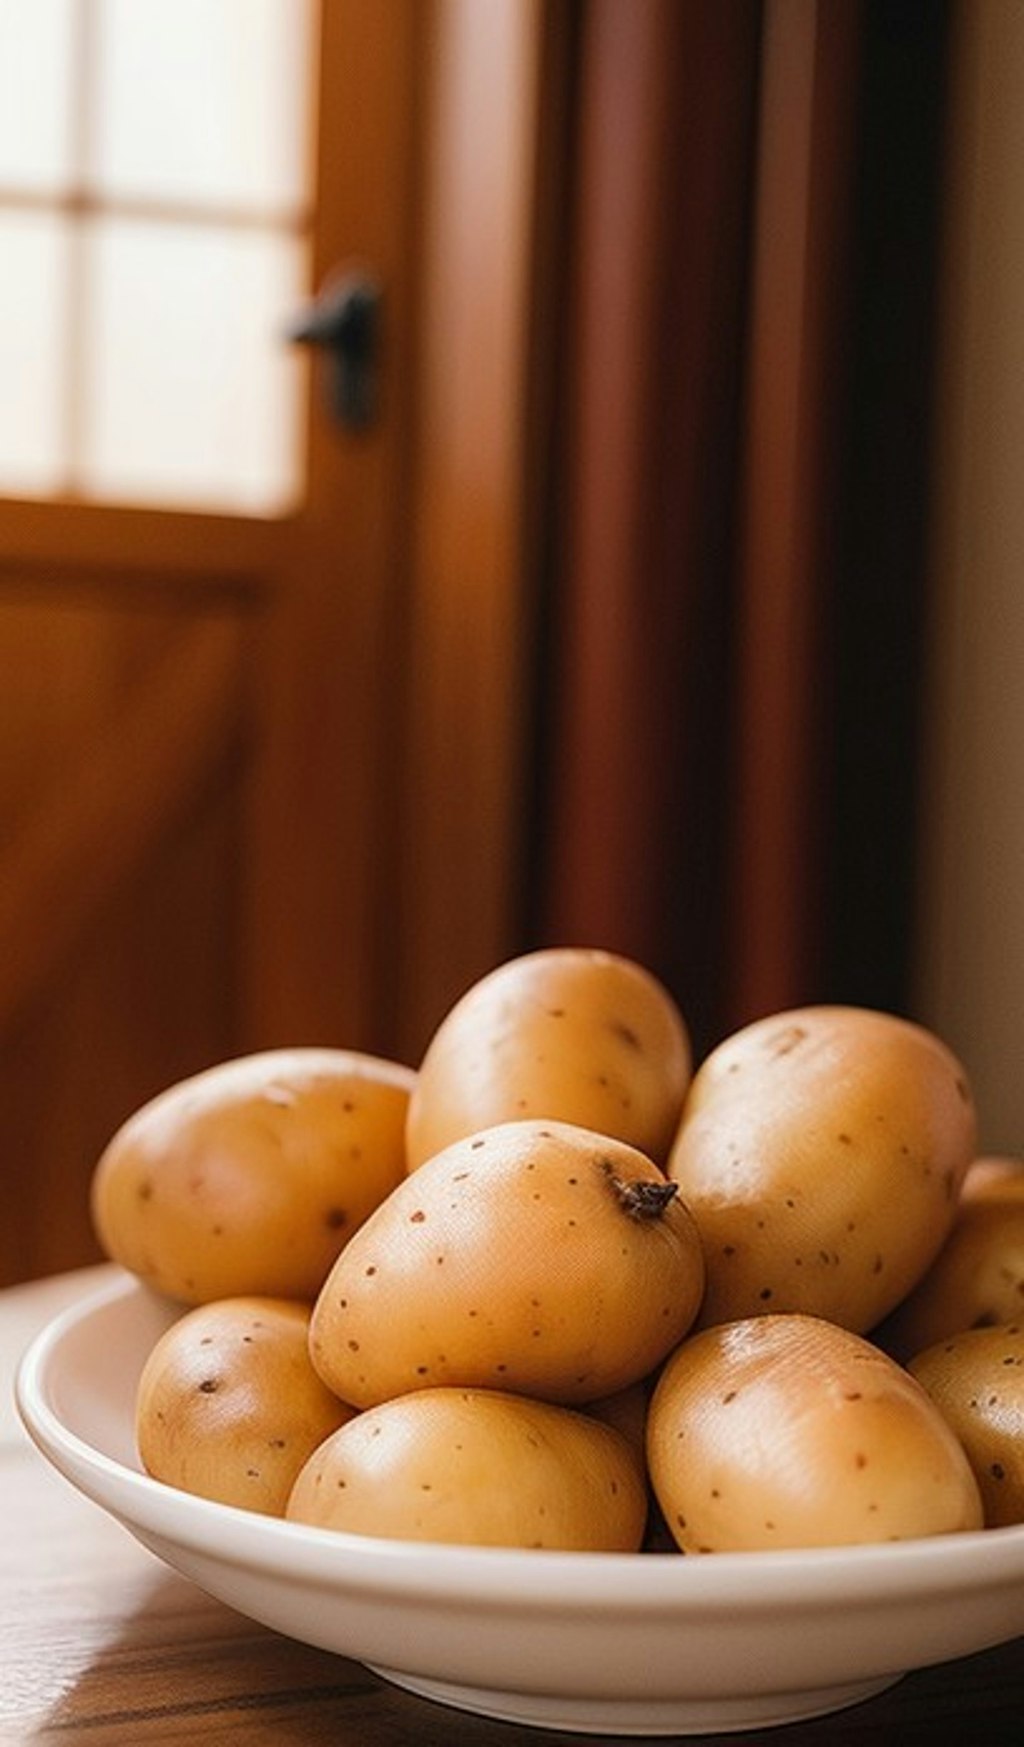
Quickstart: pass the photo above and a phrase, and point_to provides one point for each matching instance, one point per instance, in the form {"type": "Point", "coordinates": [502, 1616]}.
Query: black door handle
{"type": "Point", "coordinates": [344, 321]}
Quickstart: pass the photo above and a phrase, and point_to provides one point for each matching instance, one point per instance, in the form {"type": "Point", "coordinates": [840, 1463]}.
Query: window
{"type": "Point", "coordinates": [155, 212]}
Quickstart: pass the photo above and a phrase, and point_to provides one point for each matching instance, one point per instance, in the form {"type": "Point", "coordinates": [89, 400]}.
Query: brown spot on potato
{"type": "Point", "coordinates": [782, 1043]}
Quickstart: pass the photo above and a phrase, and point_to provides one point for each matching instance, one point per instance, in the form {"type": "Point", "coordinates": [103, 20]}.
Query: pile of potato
{"type": "Point", "coordinates": [557, 1288]}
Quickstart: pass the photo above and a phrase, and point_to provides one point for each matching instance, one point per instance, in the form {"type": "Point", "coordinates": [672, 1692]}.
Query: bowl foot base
{"type": "Point", "coordinates": [714, 1716]}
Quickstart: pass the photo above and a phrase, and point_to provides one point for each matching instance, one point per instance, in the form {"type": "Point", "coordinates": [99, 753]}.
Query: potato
{"type": "Point", "coordinates": [479, 1467]}
{"type": "Point", "coordinates": [821, 1153]}
{"type": "Point", "coordinates": [977, 1278]}
{"type": "Point", "coordinates": [533, 1257]}
{"type": "Point", "coordinates": [581, 1036]}
{"type": "Point", "coordinates": [993, 1177]}
{"type": "Point", "coordinates": [788, 1431]}
{"type": "Point", "coordinates": [626, 1410]}
{"type": "Point", "coordinates": [977, 1382]}
{"type": "Point", "coordinates": [249, 1177]}
{"type": "Point", "coordinates": [229, 1406]}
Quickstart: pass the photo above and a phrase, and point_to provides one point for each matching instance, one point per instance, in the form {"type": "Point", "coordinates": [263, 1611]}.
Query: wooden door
{"type": "Point", "coordinates": [261, 774]}
{"type": "Point", "coordinates": [194, 726]}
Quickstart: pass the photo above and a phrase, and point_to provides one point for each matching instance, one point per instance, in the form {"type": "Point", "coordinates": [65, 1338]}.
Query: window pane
{"type": "Point", "coordinates": [204, 100]}
{"type": "Point", "coordinates": [35, 93]}
{"type": "Point", "coordinates": [191, 395]}
{"type": "Point", "coordinates": [33, 363]}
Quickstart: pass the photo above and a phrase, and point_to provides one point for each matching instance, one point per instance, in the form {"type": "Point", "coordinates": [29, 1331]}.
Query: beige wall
{"type": "Point", "coordinates": [970, 954]}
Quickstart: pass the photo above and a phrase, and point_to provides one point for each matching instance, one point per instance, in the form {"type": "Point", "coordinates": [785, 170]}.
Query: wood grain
{"type": "Point", "coordinates": [89, 830]}
{"type": "Point", "coordinates": [477, 443]}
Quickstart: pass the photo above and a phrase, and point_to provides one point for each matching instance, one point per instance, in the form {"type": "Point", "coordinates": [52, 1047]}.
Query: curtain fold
{"type": "Point", "coordinates": [698, 680]}
{"type": "Point", "coordinates": [792, 412]}
{"type": "Point", "coordinates": [630, 852]}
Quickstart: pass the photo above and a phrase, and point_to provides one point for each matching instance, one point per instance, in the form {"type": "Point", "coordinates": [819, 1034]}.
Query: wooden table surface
{"type": "Point", "coordinates": [99, 1639]}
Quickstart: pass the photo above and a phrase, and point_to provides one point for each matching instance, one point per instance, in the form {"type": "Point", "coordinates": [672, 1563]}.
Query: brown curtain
{"type": "Point", "coordinates": [716, 282]}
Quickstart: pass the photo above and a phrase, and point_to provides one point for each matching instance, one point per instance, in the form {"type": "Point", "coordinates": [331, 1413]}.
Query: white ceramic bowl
{"type": "Point", "coordinates": [627, 1644]}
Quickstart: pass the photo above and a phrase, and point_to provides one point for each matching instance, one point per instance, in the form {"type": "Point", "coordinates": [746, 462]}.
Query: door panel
{"type": "Point", "coordinates": [131, 719]}
{"type": "Point", "coordinates": [144, 995]}
{"type": "Point", "coordinates": [126, 724]}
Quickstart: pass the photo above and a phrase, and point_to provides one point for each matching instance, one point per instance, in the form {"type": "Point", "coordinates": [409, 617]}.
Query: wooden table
{"type": "Point", "coordinates": [99, 1639]}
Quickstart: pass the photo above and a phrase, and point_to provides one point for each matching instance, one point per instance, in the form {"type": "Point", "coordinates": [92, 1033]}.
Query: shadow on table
{"type": "Point", "coordinates": [187, 1669]}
